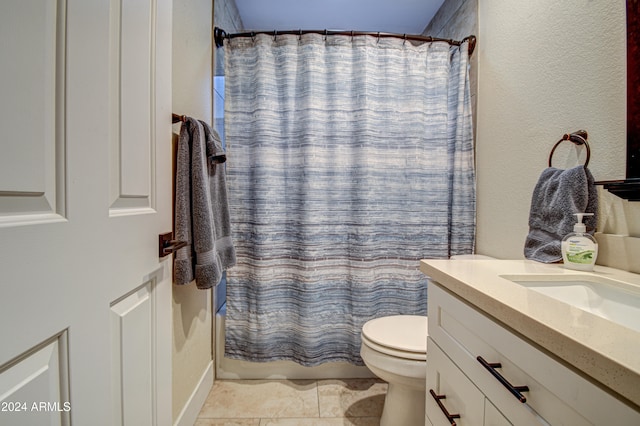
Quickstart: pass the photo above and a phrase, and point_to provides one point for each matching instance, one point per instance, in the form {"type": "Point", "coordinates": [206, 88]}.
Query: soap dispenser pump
{"type": "Point", "coordinates": [579, 249]}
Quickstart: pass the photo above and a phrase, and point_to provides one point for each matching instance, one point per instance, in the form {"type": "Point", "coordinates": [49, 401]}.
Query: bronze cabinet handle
{"type": "Point", "coordinates": [449, 417]}
{"type": "Point", "coordinates": [515, 390]}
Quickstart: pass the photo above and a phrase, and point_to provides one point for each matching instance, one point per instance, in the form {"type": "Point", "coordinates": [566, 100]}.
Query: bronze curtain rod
{"type": "Point", "coordinates": [220, 34]}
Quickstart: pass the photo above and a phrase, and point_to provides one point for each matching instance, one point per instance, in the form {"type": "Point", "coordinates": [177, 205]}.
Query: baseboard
{"type": "Point", "coordinates": [194, 404]}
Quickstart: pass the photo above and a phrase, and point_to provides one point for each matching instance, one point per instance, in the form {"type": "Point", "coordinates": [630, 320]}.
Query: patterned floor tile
{"type": "Point", "coordinates": [355, 421]}
{"type": "Point", "coordinates": [351, 397]}
{"type": "Point", "coordinates": [227, 422]}
{"type": "Point", "coordinates": [253, 399]}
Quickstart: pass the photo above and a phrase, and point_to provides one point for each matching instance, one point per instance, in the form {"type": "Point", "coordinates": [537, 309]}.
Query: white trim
{"type": "Point", "coordinates": [191, 409]}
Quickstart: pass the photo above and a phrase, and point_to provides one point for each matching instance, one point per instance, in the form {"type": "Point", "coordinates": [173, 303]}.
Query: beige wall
{"type": "Point", "coordinates": [545, 68]}
{"type": "Point", "coordinates": [192, 96]}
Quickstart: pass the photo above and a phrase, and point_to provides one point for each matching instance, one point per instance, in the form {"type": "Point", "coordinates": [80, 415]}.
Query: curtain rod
{"type": "Point", "coordinates": [220, 34]}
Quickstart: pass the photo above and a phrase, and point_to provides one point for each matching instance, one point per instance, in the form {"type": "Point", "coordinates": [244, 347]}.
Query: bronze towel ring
{"type": "Point", "coordinates": [579, 138]}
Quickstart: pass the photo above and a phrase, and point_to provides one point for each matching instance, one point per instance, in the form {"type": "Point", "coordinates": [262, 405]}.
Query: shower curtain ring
{"type": "Point", "coordinates": [378, 38]}
{"type": "Point", "coordinates": [325, 34]}
{"type": "Point", "coordinates": [405, 39]}
{"type": "Point", "coordinates": [275, 35]}
{"type": "Point", "coordinates": [300, 35]}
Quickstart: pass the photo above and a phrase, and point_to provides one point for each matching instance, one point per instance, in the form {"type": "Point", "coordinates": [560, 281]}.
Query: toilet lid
{"type": "Point", "coordinates": [406, 333]}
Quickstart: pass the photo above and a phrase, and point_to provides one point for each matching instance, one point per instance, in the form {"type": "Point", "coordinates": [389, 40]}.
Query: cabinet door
{"type": "Point", "coordinates": [493, 417]}
{"type": "Point", "coordinates": [455, 393]}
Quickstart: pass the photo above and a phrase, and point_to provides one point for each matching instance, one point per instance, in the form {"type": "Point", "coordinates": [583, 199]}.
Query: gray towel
{"type": "Point", "coordinates": [215, 152]}
{"type": "Point", "coordinates": [220, 205]}
{"type": "Point", "coordinates": [557, 196]}
{"type": "Point", "coordinates": [201, 210]}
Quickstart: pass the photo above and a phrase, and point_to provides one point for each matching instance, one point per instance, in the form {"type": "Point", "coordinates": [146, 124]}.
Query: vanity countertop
{"type": "Point", "coordinates": [607, 352]}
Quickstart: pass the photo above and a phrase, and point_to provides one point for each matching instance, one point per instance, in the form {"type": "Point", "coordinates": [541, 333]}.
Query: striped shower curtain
{"type": "Point", "coordinates": [349, 160]}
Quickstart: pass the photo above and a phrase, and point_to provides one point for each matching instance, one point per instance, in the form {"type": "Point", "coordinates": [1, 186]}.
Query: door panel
{"type": "Point", "coordinates": [37, 383]}
{"type": "Point", "coordinates": [32, 162]}
{"type": "Point", "coordinates": [133, 77]}
{"type": "Point", "coordinates": [132, 335]}
{"type": "Point", "coordinates": [85, 189]}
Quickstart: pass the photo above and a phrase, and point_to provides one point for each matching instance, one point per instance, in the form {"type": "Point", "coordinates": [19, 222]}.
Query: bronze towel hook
{"type": "Point", "coordinates": [579, 138]}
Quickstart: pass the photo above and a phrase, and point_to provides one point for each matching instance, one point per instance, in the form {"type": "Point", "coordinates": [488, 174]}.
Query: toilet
{"type": "Point", "coordinates": [394, 348]}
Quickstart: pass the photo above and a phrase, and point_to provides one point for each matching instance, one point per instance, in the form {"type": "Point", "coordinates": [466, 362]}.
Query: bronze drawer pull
{"type": "Point", "coordinates": [449, 417]}
{"type": "Point", "coordinates": [515, 390]}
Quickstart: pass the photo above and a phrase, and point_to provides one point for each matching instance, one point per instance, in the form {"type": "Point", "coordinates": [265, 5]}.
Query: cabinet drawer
{"type": "Point", "coordinates": [493, 417]}
{"type": "Point", "coordinates": [557, 395]}
{"type": "Point", "coordinates": [461, 397]}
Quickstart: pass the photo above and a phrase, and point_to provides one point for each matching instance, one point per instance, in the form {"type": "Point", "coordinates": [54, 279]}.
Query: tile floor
{"type": "Point", "coordinates": [356, 402]}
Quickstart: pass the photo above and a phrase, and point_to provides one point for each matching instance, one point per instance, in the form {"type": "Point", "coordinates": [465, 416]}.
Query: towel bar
{"type": "Point", "coordinates": [176, 118]}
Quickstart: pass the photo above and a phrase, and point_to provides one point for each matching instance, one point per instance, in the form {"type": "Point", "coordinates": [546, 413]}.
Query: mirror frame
{"type": "Point", "coordinates": [633, 89]}
{"type": "Point", "coordinates": [629, 188]}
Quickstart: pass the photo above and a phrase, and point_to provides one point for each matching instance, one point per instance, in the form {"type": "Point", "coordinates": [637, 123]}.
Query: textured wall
{"type": "Point", "coordinates": [226, 17]}
{"type": "Point", "coordinates": [545, 68]}
{"type": "Point", "coordinates": [192, 95]}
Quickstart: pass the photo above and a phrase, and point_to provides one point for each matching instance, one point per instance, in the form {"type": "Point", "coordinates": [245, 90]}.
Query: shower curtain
{"type": "Point", "coordinates": [349, 160]}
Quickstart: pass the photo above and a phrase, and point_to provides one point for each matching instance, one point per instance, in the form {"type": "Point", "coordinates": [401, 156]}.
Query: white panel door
{"type": "Point", "coordinates": [85, 189]}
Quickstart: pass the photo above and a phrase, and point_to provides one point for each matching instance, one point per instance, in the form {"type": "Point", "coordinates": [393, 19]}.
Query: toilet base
{"type": "Point", "coordinates": [403, 406]}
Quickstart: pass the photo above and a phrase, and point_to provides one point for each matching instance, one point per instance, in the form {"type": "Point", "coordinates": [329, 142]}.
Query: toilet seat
{"type": "Point", "coordinates": [402, 336]}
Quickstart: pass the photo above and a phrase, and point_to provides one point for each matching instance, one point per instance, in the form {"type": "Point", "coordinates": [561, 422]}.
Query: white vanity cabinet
{"type": "Point", "coordinates": [451, 396]}
{"type": "Point", "coordinates": [472, 361]}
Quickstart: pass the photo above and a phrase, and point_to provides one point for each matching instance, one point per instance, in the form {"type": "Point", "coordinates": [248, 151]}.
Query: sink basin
{"type": "Point", "coordinates": [613, 300]}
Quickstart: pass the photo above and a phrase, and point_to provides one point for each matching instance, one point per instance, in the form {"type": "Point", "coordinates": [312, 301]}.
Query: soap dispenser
{"type": "Point", "coordinates": [579, 249]}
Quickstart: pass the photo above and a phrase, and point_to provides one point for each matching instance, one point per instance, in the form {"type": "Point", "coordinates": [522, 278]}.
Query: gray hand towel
{"type": "Point", "coordinates": [557, 196]}
{"type": "Point", "coordinates": [219, 199]}
{"type": "Point", "coordinates": [215, 152]}
{"type": "Point", "coordinates": [183, 261]}
{"type": "Point", "coordinates": [201, 210]}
